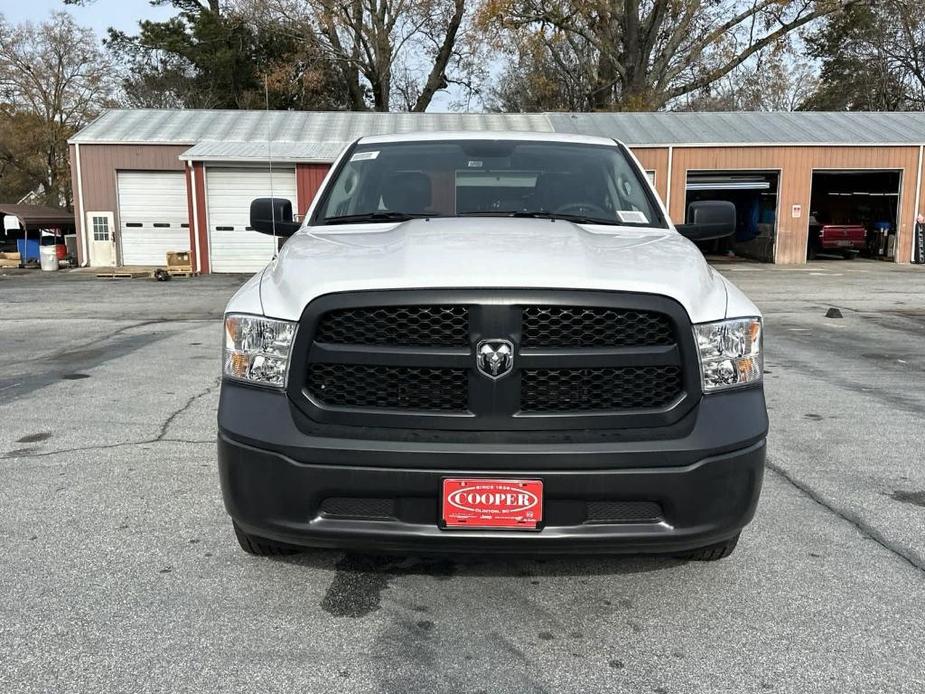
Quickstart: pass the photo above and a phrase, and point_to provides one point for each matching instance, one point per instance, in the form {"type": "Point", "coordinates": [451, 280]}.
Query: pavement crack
{"type": "Point", "coordinates": [867, 530]}
{"type": "Point", "coordinates": [58, 355]}
{"type": "Point", "coordinates": [189, 403]}
{"type": "Point", "coordinates": [161, 436]}
{"type": "Point", "coordinates": [107, 446]}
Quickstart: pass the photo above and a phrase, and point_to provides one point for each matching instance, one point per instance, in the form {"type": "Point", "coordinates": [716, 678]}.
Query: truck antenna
{"type": "Point", "coordinates": [266, 93]}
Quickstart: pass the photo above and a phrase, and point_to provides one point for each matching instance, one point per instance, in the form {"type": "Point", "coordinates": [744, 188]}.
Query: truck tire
{"type": "Point", "coordinates": [715, 552]}
{"type": "Point", "coordinates": [260, 547]}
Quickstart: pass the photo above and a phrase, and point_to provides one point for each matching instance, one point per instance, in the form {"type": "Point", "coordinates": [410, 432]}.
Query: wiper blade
{"type": "Point", "coordinates": [577, 218]}
{"type": "Point", "coordinates": [488, 213]}
{"type": "Point", "coordinates": [539, 214]}
{"type": "Point", "coordinates": [376, 217]}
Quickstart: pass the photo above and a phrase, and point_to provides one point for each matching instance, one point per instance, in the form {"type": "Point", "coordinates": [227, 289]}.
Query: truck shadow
{"type": "Point", "coordinates": [359, 580]}
{"type": "Point", "coordinates": [497, 565]}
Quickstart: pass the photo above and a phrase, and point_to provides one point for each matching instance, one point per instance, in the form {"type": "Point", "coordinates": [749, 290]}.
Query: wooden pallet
{"type": "Point", "coordinates": [128, 275]}
{"type": "Point", "coordinates": [167, 273]}
{"type": "Point", "coordinates": [181, 271]}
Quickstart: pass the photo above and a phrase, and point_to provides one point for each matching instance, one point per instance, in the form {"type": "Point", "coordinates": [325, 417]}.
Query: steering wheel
{"type": "Point", "coordinates": [582, 208]}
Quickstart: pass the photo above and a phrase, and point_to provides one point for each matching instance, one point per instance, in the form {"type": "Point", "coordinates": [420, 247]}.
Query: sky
{"type": "Point", "coordinates": [98, 15]}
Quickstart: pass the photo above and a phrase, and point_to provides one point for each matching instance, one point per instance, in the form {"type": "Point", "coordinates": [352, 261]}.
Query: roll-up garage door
{"type": "Point", "coordinates": [153, 216]}
{"type": "Point", "coordinates": [234, 247]}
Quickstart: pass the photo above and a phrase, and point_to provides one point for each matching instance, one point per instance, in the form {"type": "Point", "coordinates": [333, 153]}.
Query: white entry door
{"type": "Point", "coordinates": [235, 247]}
{"type": "Point", "coordinates": [102, 241]}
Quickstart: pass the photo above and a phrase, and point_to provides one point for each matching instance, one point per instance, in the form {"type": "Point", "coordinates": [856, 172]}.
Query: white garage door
{"type": "Point", "coordinates": [153, 216]}
{"type": "Point", "coordinates": [229, 193]}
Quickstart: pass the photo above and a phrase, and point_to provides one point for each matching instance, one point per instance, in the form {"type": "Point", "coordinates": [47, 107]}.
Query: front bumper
{"type": "Point", "coordinates": [275, 479]}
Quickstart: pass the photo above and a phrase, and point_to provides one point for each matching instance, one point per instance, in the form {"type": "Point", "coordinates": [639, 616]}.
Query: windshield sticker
{"type": "Point", "coordinates": [632, 217]}
{"type": "Point", "coordinates": [364, 156]}
{"type": "Point", "coordinates": [475, 164]}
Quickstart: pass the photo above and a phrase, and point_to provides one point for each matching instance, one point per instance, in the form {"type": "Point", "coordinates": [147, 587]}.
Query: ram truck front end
{"type": "Point", "coordinates": [504, 346]}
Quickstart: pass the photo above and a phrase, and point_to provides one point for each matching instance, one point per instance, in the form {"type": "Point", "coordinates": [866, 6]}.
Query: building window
{"type": "Point", "coordinates": [100, 229]}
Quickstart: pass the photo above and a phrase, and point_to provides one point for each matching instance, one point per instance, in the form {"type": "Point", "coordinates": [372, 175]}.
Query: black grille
{"type": "Point", "coordinates": [593, 326]}
{"type": "Point", "coordinates": [396, 325]}
{"type": "Point", "coordinates": [623, 512]}
{"type": "Point", "coordinates": [392, 387]}
{"type": "Point", "coordinates": [611, 389]}
{"type": "Point", "coordinates": [405, 360]}
{"type": "Point", "coordinates": [358, 507]}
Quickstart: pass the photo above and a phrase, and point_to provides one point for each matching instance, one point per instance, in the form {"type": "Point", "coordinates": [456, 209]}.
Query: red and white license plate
{"type": "Point", "coordinates": [489, 503]}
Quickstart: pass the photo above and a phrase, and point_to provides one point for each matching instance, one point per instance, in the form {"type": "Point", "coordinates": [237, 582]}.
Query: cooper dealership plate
{"type": "Point", "coordinates": [492, 503]}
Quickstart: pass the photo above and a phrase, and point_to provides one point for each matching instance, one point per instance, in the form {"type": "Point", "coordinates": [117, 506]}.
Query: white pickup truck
{"type": "Point", "coordinates": [491, 342]}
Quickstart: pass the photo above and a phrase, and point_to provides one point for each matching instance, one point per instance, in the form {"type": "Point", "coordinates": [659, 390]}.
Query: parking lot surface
{"type": "Point", "coordinates": [120, 571]}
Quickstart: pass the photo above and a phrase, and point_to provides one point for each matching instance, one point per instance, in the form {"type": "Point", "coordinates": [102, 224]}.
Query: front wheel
{"type": "Point", "coordinates": [714, 552]}
{"type": "Point", "coordinates": [260, 547]}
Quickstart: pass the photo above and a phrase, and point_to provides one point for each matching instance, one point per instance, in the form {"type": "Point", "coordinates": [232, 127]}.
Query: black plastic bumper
{"type": "Point", "coordinates": [275, 477]}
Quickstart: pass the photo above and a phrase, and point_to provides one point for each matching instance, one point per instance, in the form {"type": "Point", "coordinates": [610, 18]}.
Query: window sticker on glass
{"type": "Point", "coordinates": [632, 217]}
{"type": "Point", "coordinates": [475, 164]}
{"type": "Point", "coordinates": [364, 156]}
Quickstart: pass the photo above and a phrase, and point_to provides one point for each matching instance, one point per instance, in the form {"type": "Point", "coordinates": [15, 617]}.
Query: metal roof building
{"type": "Point", "coordinates": [148, 181]}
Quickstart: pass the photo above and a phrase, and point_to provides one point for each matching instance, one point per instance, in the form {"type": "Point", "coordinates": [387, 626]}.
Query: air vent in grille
{"type": "Point", "coordinates": [601, 389]}
{"type": "Point", "coordinates": [358, 507]}
{"type": "Point", "coordinates": [623, 512]}
{"type": "Point", "coordinates": [392, 387]}
{"type": "Point", "coordinates": [593, 326]}
{"type": "Point", "coordinates": [396, 325]}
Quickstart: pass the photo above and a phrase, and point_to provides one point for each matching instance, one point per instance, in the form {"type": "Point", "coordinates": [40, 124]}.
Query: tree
{"type": "Point", "coordinates": [22, 163]}
{"type": "Point", "coordinates": [774, 80]}
{"type": "Point", "coordinates": [389, 53]}
{"type": "Point", "coordinates": [53, 80]}
{"type": "Point", "coordinates": [873, 58]}
{"type": "Point", "coordinates": [215, 55]}
{"type": "Point", "coordinates": [634, 54]}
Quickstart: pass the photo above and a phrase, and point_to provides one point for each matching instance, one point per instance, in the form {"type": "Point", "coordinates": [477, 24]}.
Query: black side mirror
{"type": "Point", "coordinates": [269, 212]}
{"type": "Point", "coordinates": [709, 219]}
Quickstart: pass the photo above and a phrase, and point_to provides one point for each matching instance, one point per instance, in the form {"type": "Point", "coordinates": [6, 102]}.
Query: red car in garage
{"type": "Point", "coordinates": [844, 239]}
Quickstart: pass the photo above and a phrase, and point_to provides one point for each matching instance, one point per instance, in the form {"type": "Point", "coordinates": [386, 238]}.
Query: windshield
{"type": "Point", "coordinates": [456, 178]}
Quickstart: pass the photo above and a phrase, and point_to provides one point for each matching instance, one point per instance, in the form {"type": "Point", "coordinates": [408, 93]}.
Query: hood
{"type": "Point", "coordinates": [490, 253]}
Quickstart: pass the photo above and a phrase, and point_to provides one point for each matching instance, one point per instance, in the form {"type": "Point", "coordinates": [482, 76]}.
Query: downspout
{"type": "Point", "coordinates": [668, 190]}
{"type": "Point", "coordinates": [918, 200]}
{"type": "Point", "coordinates": [85, 241]}
{"type": "Point", "coordinates": [195, 215]}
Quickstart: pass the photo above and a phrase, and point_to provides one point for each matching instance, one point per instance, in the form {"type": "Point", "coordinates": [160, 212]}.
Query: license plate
{"type": "Point", "coordinates": [490, 503]}
{"type": "Point", "coordinates": [843, 243]}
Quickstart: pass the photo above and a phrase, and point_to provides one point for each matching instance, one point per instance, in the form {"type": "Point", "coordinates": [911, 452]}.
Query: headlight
{"type": "Point", "coordinates": [257, 349]}
{"type": "Point", "coordinates": [730, 353]}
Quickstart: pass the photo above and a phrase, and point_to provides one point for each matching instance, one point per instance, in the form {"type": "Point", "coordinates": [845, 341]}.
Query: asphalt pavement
{"type": "Point", "coordinates": [119, 571]}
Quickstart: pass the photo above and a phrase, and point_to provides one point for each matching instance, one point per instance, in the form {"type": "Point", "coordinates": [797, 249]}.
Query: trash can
{"type": "Point", "coordinates": [49, 258]}
{"type": "Point", "coordinates": [28, 250]}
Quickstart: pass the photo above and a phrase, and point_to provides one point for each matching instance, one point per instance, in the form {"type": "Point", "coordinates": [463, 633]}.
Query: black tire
{"type": "Point", "coordinates": [260, 547]}
{"type": "Point", "coordinates": [720, 550]}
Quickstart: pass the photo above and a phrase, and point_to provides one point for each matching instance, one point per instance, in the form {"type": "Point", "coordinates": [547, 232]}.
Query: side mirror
{"type": "Point", "coordinates": [709, 219]}
{"type": "Point", "coordinates": [265, 212]}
